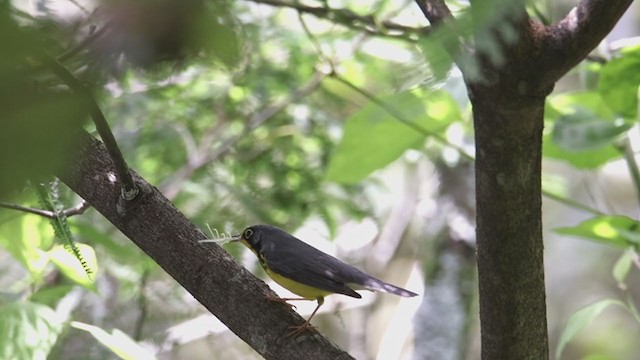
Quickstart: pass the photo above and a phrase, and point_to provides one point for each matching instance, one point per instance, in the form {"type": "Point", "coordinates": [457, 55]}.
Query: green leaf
{"type": "Point", "coordinates": [564, 106]}
{"type": "Point", "coordinates": [72, 268]}
{"type": "Point", "coordinates": [618, 230]}
{"type": "Point", "coordinates": [28, 105]}
{"type": "Point", "coordinates": [583, 130]}
{"type": "Point", "coordinates": [51, 295]}
{"type": "Point", "coordinates": [619, 80]}
{"type": "Point", "coordinates": [623, 266]}
{"type": "Point", "coordinates": [118, 342]}
{"type": "Point", "coordinates": [28, 330]}
{"type": "Point", "coordinates": [373, 138]}
{"type": "Point", "coordinates": [88, 233]}
{"type": "Point", "coordinates": [590, 159]}
{"type": "Point", "coordinates": [580, 319]}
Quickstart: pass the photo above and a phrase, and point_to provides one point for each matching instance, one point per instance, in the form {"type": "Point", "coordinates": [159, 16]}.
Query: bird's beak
{"type": "Point", "coordinates": [237, 237]}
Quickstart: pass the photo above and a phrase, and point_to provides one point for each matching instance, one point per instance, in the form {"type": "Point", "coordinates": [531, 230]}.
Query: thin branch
{"type": "Point", "coordinates": [129, 189]}
{"type": "Point", "coordinates": [349, 19]}
{"type": "Point", "coordinates": [574, 37]}
{"type": "Point", "coordinates": [75, 210]}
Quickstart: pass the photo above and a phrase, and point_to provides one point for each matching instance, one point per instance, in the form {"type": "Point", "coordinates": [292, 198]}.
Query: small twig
{"type": "Point", "coordinates": [571, 203]}
{"type": "Point", "coordinates": [631, 305]}
{"type": "Point", "coordinates": [314, 40]}
{"type": "Point", "coordinates": [635, 258]}
{"type": "Point", "coordinates": [400, 117]}
{"type": "Point", "coordinates": [79, 6]}
{"type": "Point", "coordinates": [85, 43]}
{"type": "Point", "coordinates": [76, 210]}
{"type": "Point", "coordinates": [129, 190]}
{"type": "Point", "coordinates": [630, 159]}
{"type": "Point", "coordinates": [142, 306]}
{"type": "Point", "coordinates": [349, 19]}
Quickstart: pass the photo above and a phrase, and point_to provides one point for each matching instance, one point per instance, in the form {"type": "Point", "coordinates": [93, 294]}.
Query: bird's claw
{"type": "Point", "coordinates": [282, 301]}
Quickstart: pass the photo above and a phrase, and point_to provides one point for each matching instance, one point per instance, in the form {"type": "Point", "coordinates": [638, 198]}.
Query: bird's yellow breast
{"type": "Point", "coordinates": [305, 291]}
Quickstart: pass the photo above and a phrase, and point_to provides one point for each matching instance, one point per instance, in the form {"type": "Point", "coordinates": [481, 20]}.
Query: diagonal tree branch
{"type": "Point", "coordinates": [210, 274]}
{"type": "Point", "coordinates": [129, 191]}
{"type": "Point", "coordinates": [569, 41]}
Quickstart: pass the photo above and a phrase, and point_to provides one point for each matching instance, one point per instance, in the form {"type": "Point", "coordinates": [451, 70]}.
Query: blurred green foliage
{"type": "Point", "coordinates": [28, 330]}
{"type": "Point", "coordinates": [219, 104]}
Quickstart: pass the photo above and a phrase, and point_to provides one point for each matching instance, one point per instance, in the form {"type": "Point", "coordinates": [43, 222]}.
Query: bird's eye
{"type": "Point", "coordinates": [248, 233]}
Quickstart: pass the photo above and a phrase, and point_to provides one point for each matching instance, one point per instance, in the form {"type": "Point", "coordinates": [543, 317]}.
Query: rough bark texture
{"type": "Point", "coordinates": [211, 275]}
{"type": "Point", "coordinates": [509, 229]}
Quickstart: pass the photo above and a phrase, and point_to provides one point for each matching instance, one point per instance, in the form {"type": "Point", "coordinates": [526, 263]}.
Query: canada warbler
{"type": "Point", "coordinates": [307, 271]}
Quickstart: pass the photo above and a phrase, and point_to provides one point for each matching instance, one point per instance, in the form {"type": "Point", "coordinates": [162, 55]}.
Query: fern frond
{"type": "Point", "coordinates": [49, 200]}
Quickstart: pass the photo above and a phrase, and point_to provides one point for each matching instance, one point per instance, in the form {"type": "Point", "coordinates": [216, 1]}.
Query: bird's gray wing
{"type": "Point", "coordinates": [305, 264]}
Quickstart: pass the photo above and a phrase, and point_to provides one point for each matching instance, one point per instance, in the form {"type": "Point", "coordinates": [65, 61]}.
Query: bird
{"type": "Point", "coordinates": [307, 271]}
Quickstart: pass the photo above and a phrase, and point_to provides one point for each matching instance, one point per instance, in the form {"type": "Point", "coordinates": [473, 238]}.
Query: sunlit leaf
{"type": "Point", "coordinates": [24, 237]}
{"type": "Point", "coordinates": [27, 330]}
{"type": "Point", "coordinates": [117, 341]}
{"type": "Point", "coordinates": [71, 266]}
{"type": "Point", "coordinates": [373, 138]}
{"type": "Point", "coordinates": [619, 230]}
{"type": "Point", "coordinates": [580, 319]}
{"type": "Point", "coordinates": [566, 103]}
{"type": "Point", "coordinates": [619, 80]}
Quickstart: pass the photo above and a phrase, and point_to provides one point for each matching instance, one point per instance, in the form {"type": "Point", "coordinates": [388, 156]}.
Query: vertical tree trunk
{"type": "Point", "coordinates": [509, 230]}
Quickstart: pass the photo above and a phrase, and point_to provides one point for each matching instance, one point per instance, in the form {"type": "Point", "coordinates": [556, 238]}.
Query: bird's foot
{"type": "Point", "coordinates": [284, 301]}
{"type": "Point", "coordinates": [300, 329]}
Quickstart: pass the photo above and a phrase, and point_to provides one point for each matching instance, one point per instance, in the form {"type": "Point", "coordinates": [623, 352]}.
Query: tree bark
{"type": "Point", "coordinates": [211, 275]}
{"type": "Point", "coordinates": [509, 228]}
{"type": "Point", "coordinates": [508, 108]}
